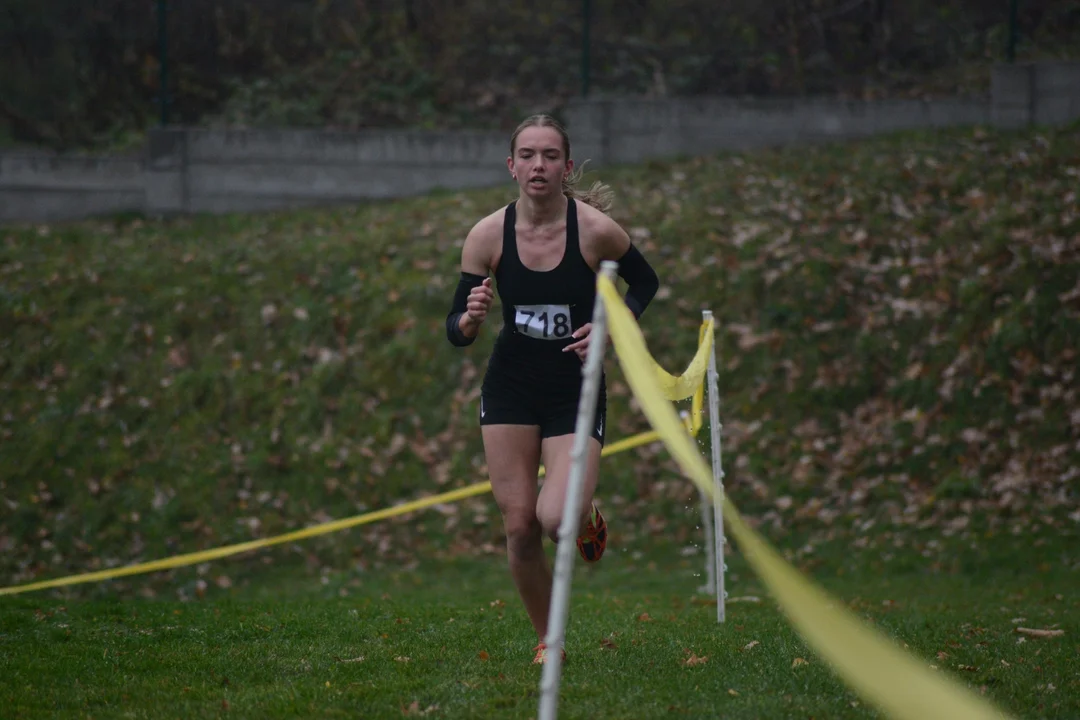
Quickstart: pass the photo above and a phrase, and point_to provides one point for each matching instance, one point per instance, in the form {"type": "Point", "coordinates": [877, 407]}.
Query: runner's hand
{"type": "Point", "coordinates": [581, 347]}
{"type": "Point", "coordinates": [479, 302]}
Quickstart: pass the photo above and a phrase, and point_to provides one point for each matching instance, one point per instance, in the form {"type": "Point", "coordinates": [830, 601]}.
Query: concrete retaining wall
{"type": "Point", "coordinates": [632, 130]}
{"type": "Point", "coordinates": [39, 187]}
{"type": "Point", "coordinates": [237, 171]}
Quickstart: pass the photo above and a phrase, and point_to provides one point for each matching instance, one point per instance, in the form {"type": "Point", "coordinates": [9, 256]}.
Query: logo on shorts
{"type": "Point", "coordinates": [600, 427]}
{"type": "Point", "coordinates": [481, 407]}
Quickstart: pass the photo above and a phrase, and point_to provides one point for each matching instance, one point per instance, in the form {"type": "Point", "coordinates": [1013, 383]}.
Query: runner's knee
{"type": "Point", "coordinates": [550, 517]}
{"type": "Point", "coordinates": [523, 531]}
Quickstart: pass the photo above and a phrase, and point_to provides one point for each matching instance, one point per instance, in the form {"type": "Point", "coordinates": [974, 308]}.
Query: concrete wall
{"type": "Point", "coordinates": [1039, 94]}
{"type": "Point", "coordinates": [237, 171]}
{"type": "Point", "coordinates": [39, 187]}
{"type": "Point", "coordinates": [196, 170]}
{"type": "Point", "coordinates": [632, 130]}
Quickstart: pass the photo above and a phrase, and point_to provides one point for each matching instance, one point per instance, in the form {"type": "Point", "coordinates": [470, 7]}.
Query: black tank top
{"type": "Point", "coordinates": [541, 309]}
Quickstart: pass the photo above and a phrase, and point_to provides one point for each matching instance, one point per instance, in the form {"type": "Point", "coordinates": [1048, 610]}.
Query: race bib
{"type": "Point", "coordinates": [543, 322]}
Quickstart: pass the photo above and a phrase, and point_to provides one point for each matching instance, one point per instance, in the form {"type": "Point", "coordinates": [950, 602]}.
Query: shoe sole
{"type": "Point", "coordinates": [601, 544]}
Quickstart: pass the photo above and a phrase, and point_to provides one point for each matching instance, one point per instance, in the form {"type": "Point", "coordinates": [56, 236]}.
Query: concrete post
{"type": "Point", "coordinates": [166, 172]}
{"type": "Point", "coordinates": [589, 125]}
{"type": "Point", "coordinates": [1012, 92]}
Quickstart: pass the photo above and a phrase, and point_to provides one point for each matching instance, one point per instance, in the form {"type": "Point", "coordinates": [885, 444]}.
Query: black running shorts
{"type": "Point", "coordinates": [554, 412]}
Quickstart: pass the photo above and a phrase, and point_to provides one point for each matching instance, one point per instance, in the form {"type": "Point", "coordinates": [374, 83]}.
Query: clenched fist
{"type": "Point", "coordinates": [478, 304]}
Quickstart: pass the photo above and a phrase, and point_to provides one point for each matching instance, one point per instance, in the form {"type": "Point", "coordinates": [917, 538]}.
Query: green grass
{"type": "Point", "coordinates": [898, 328]}
{"type": "Point", "coordinates": [452, 636]}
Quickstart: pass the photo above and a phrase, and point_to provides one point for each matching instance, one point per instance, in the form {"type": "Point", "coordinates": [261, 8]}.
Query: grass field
{"type": "Point", "coordinates": [898, 322]}
{"type": "Point", "coordinates": [450, 640]}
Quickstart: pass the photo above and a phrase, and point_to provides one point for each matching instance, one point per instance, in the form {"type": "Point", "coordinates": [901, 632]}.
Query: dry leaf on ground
{"type": "Point", "coordinates": [695, 659]}
{"type": "Point", "coordinates": [1035, 632]}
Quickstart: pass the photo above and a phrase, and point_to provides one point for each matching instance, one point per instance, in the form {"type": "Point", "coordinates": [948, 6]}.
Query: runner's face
{"type": "Point", "coordinates": [539, 164]}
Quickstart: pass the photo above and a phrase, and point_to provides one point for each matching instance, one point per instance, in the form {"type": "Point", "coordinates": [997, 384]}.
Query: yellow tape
{"type": "Point", "coordinates": [308, 532]}
{"type": "Point", "coordinates": [680, 387]}
{"type": "Point", "coordinates": [217, 553]}
{"type": "Point", "coordinates": [874, 666]}
{"type": "Point", "coordinates": [698, 401]}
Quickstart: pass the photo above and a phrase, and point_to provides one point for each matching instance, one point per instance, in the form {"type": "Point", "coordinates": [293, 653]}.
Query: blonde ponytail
{"type": "Point", "coordinates": [600, 196]}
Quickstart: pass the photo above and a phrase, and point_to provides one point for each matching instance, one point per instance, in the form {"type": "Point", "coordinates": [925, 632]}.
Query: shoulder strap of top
{"type": "Point", "coordinates": [509, 221]}
{"type": "Point", "coordinates": [509, 241]}
{"type": "Point", "coordinates": [573, 237]}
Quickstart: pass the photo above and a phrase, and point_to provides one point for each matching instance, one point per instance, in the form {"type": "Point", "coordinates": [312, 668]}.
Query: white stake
{"type": "Point", "coordinates": [707, 525]}
{"type": "Point", "coordinates": [571, 517]}
{"type": "Point", "coordinates": [718, 475]}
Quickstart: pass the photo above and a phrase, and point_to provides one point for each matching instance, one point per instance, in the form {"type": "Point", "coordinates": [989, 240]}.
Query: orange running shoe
{"type": "Point", "coordinates": [592, 542]}
{"type": "Point", "coordinates": [541, 654]}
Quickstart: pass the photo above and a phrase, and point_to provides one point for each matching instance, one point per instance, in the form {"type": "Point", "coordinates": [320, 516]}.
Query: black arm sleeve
{"type": "Point", "coordinates": [640, 278]}
{"type": "Point", "coordinates": [453, 330]}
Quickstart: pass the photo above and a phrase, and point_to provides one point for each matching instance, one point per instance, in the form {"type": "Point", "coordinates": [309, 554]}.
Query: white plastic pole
{"type": "Point", "coordinates": [710, 552]}
{"type": "Point", "coordinates": [718, 475]}
{"type": "Point", "coordinates": [707, 524]}
{"type": "Point", "coordinates": [571, 517]}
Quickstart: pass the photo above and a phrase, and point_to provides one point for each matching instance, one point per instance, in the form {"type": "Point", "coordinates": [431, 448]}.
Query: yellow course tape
{"type": "Point", "coordinates": [308, 532]}
{"type": "Point", "coordinates": [224, 551]}
{"type": "Point", "coordinates": [691, 382]}
{"type": "Point", "coordinates": [896, 682]}
{"type": "Point", "coordinates": [705, 335]}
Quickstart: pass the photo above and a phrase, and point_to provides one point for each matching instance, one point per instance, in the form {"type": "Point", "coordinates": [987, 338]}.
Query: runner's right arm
{"type": "Point", "coordinates": [473, 296]}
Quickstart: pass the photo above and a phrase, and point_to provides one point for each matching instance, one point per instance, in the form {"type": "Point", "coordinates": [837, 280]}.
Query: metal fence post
{"type": "Point", "coordinates": [586, 45]}
{"type": "Point", "coordinates": [163, 61]}
{"type": "Point", "coordinates": [1010, 50]}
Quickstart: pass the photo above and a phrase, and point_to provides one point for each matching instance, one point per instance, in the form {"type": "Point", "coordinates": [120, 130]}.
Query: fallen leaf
{"type": "Point", "coordinates": [751, 645]}
{"type": "Point", "coordinates": [178, 358]}
{"type": "Point", "coordinates": [695, 659]}
{"type": "Point", "coordinates": [732, 693]}
{"type": "Point", "coordinates": [644, 617]}
{"type": "Point", "coordinates": [1033, 632]}
{"type": "Point", "coordinates": [900, 209]}
{"type": "Point", "coordinates": [483, 655]}
{"type": "Point", "coordinates": [608, 644]}
{"type": "Point", "coordinates": [798, 662]}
